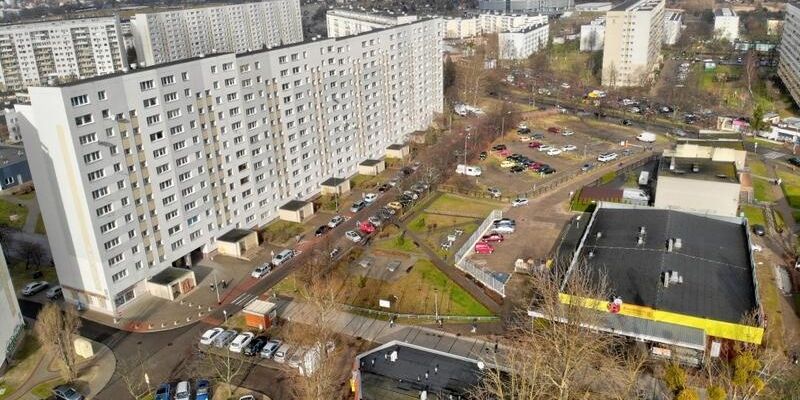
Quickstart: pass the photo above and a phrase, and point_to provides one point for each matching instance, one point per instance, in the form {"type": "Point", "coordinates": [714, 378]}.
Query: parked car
{"type": "Point", "coordinates": [270, 348]}
{"type": "Point", "coordinates": [504, 221]}
{"type": "Point", "coordinates": [163, 392]}
{"type": "Point", "coordinates": [483, 248]}
{"type": "Point", "coordinates": [547, 170]}
{"type": "Point", "coordinates": [606, 157]}
{"type": "Point", "coordinates": [384, 187]}
{"type": "Point", "coordinates": [534, 145]}
{"type": "Point", "coordinates": [794, 161]}
{"type": "Point", "coordinates": [553, 152]}
{"type": "Point", "coordinates": [626, 122]}
{"type": "Point", "coordinates": [554, 129]}
{"type": "Point", "coordinates": [586, 167]}
{"type": "Point", "coordinates": [369, 198]}
{"type": "Point", "coordinates": [519, 202]}
{"type": "Point", "coordinates": [494, 192]}
{"type": "Point", "coordinates": [503, 229]}
{"type": "Point", "coordinates": [224, 338]}
{"type": "Point", "coordinates": [395, 206]}
{"type": "Point", "coordinates": [544, 147]}
{"type": "Point", "coordinates": [323, 229]}
{"type": "Point", "coordinates": [525, 139]}
{"type": "Point", "coordinates": [209, 335]}
{"type": "Point", "coordinates": [759, 230]}
{"type": "Point", "coordinates": [507, 164]}
{"type": "Point", "coordinates": [282, 257]}
{"type": "Point", "coordinates": [366, 227]}
{"type": "Point", "coordinates": [183, 391]}
{"type": "Point", "coordinates": [64, 392]}
{"type": "Point", "coordinates": [567, 132]}
{"type": "Point", "coordinates": [335, 252]}
{"type": "Point", "coordinates": [499, 147]}
{"type": "Point", "coordinates": [239, 343]}
{"type": "Point", "coordinates": [410, 194]}
{"type": "Point", "coordinates": [54, 292]}
{"type": "Point", "coordinates": [358, 206]}
{"type": "Point", "coordinates": [335, 221]}
{"type": "Point", "coordinates": [202, 389]}
{"type": "Point", "coordinates": [255, 346]}
{"type": "Point", "coordinates": [492, 237]}
{"type": "Point", "coordinates": [34, 287]}
{"type": "Point", "coordinates": [483, 155]}
{"type": "Point", "coordinates": [352, 236]}
{"type": "Point", "coordinates": [247, 397]}
{"type": "Point", "coordinates": [569, 147]}
{"type": "Point", "coordinates": [282, 354]}
{"type": "Point", "coordinates": [261, 270]}
{"type": "Point", "coordinates": [517, 169]}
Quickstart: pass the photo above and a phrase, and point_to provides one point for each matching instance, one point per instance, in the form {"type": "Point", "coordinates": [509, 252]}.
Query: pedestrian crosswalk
{"type": "Point", "coordinates": [243, 299]}
{"type": "Point", "coordinates": [773, 155]}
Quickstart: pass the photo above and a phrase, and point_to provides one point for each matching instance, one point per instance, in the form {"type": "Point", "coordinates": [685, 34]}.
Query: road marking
{"type": "Point", "coordinates": [243, 299]}
{"type": "Point", "coordinates": [773, 155]}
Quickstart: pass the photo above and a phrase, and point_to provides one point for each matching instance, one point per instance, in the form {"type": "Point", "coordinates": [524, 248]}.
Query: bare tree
{"type": "Point", "coordinates": [556, 356]}
{"type": "Point", "coordinates": [751, 71]}
{"type": "Point", "coordinates": [33, 254]}
{"type": "Point", "coordinates": [225, 367]}
{"type": "Point", "coordinates": [57, 331]}
{"type": "Point", "coordinates": [131, 371]}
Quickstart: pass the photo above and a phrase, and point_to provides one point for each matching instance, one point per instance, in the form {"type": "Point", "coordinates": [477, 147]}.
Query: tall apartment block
{"type": "Point", "coordinates": [521, 43]}
{"type": "Point", "coordinates": [496, 23]}
{"type": "Point", "coordinates": [34, 53]}
{"type": "Point", "coordinates": [633, 38]}
{"type": "Point", "coordinates": [347, 22]}
{"type": "Point", "coordinates": [176, 35]}
{"type": "Point", "coordinates": [143, 171]}
{"type": "Point", "coordinates": [527, 6]}
{"type": "Point", "coordinates": [726, 24]}
{"type": "Point", "coordinates": [9, 313]}
{"type": "Point", "coordinates": [789, 50]}
{"type": "Point", "coordinates": [673, 25]}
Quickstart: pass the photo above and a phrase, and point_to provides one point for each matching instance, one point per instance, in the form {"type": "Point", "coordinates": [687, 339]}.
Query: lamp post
{"type": "Point", "coordinates": [466, 137]}
{"type": "Point", "coordinates": [216, 287]}
{"type": "Point", "coordinates": [225, 313]}
{"type": "Point", "coordinates": [436, 303]}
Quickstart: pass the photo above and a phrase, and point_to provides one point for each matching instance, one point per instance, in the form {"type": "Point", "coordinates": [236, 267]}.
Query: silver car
{"type": "Point", "coordinates": [224, 338]}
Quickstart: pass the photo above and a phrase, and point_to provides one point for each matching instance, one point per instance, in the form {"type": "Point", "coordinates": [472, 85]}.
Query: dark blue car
{"type": "Point", "coordinates": [202, 390]}
{"type": "Point", "coordinates": [163, 392]}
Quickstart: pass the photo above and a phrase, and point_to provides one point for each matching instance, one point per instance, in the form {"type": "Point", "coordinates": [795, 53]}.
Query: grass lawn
{"type": "Point", "coordinates": [364, 181]}
{"type": "Point", "coordinates": [21, 276]}
{"type": "Point", "coordinates": [416, 292]}
{"type": "Point", "coordinates": [8, 209]}
{"type": "Point", "coordinates": [425, 222]}
{"type": "Point", "coordinates": [40, 226]}
{"type": "Point", "coordinates": [770, 299]}
{"type": "Point", "coordinates": [755, 215]}
{"type": "Point", "coordinates": [791, 187]}
{"type": "Point", "coordinates": [27, 356]}
{"type": "Point", "coordinates": [281, 231]}
{"type": "Point", "coordinates": [26, 196]}
{"type": "Point", "coordinates": [45, 390]}
{"type": "Point", "coordinates": [757, 167]}
{"type": "Point", "coordinates": [465, 206]}
{"type": "Point", "coordinates": [397, 243]}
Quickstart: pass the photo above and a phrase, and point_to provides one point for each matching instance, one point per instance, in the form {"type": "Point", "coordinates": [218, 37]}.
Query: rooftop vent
{"type": "Point", "coordinates": [591, 254]}
{"type": "Point", "coordinates": [669, 245]}
{"type": "Point", "coordinates": [672, 164]}
{"type": "Point", "coordinates": [599, 235]}
{"type": "Point", "coordinates": [393, 356]}
{"type": "Point", "coordinates": [678, 243]}
{"type": "Point", "coordinates": [671, 278]}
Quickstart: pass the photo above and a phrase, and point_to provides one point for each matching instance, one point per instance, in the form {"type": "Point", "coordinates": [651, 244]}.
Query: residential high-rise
{"type": "Point", "coordinates": [673, 24]}
{"type": "Point", "coordinates": [789, 50]}
{"type": "Point", "coordinates": [527, 6]}
{"type": "Point", "coordinates": [460, 28]}
{"type": "Point", "coordinates": [633, 38]}
{"type": "Point", "coordinates": [726, 24]}
{"type": "Point", "coordinates": [347, 22]}
{"type": "Point", "coordinates": [9, 313]}
{"type": "Point", "coordinates": [34, 53]}
{"type": "Point", "coordinates": [140, 171]}
{"type": "Point", "coordinates": [519, 44]}
{"type": "Point", "coordinates": [176, 35]}
{"type": "Point", "coordinates": [593, 35]}
{"type": "Point", "coordinates": [496, 23]}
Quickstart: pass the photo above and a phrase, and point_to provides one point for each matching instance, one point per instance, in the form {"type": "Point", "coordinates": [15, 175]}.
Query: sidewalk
{"type": "Point", "coordinates": [378, 331]}
{"type": "Point", "coordinates": [94, 374]}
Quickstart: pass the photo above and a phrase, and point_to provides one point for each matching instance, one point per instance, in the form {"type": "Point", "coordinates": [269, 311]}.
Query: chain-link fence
{"type": "Point", "coordinates": [486, 277]}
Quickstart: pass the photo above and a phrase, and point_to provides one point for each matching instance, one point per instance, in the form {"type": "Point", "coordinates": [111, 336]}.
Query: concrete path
{"type": "Point", "coordinates": [94, 375]}
{"type": "Point", "coordinates": [378, 331]}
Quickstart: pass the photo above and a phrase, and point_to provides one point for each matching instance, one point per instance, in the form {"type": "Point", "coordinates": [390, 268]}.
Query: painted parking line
{"type": "Point", "coordinates": [773, 155]}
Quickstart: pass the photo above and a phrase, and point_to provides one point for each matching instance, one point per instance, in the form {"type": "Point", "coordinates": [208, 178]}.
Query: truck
{"type": "Point", "coordinates": [635, 196]}
{"type": "Point", "coordinates": [647, 137]}
{"type": "Point", "coordinates": [644, 178]}
{"type": "Point", "coordinates": [468, 170]}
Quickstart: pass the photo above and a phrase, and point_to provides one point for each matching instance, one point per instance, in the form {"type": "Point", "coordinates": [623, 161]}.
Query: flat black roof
{"type": "Point", "coordinates": [405, 377]}
{"type": "Point", "coordinates": [333, 182]}
{"type": "Point", "coordinates": [397, 146]}
{"type": "Point", "coordinates": [370, 163]}
{"type": "Point", "coordinates": [698, 168]}
{"type": "Point", "coordinates": [234, 235]}
{"type": "Point", "coordinates": [293, 205]}
{"type": "Point", "coordinates": [713, 260]}
{"type": "Point", "coordinates": [169, 275]}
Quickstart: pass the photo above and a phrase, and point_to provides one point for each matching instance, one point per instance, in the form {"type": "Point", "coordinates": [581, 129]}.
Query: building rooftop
{"type": "Point", "coordinates": [674, 15]}
{"type": "Point", "coordinates": [11, 155]}
{"type": "Point", "coordinates": [698, 168]}
{"type": "Point", "coordinates": [448, 374]}
{"type": "Point", "coordinates": [333, 182]}
{"type": "Point", "coordinates": [636, 5]}
{"type": "Point", "coordinates": [169, 275]}
{"type": "Point", "coordinates": [234, 235]}
{"type": "Point", "coordinates": [724, 12]}
{"type": "Point", "coordinates": [397, 146]}
{"type": "Point", "coordinates": [293, 205]}
{"type": "Point", "coordinates": [370, 163]}
{"type": "Point", "coordinates": [713, 260]}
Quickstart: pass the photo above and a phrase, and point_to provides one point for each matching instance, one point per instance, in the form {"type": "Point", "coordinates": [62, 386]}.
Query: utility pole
{"type": "Point", "coordinates": [466, 137]}
{"type": "Point", "coordinates": [436, 303]}
{"type": "Point", "coordinates": [216, 287]}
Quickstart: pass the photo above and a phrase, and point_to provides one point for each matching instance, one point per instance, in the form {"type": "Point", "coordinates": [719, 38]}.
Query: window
{"type": "Point", "coordinates": [104, 210]}
{"type": "Point", "coordinates": [170, 215]}
{"type": "Point", "coordinates": [182, 161]}
{"type": "Point", "coordinates": [95, 175]}
{"type": "Point", "coordinates": [165, 184]}
{"type": "Point", "coordinates": [177, 244]}
{"type": "Point", "coordinates": [81, 100]}
{"type": "Point", "coordinates": [153, 101]}
{"type": "Point", "coordinates": [191, 221]}
{"type": "Point", "coordinates": [156, 136]}
{"type": "Point", "coordinates": [185, 76]}
{"type": "Point", "coordinates": [102, 95]}
{"type": "Point", "coordinates": [159, 152]}
{"type": "Point", "coordinates": [146, 85]}
{"type": "Point", "coordinates": [175, 229]}
{"type": "Point", "coordinates": [168, 200]}
{"type": "Point", "coordinates": [168, 80]}
{"type": "Point", "coordinates": [108, 227]}
{"type": "Point", "coordinates": [111, 243]}
{"type": "Point", "coordinates": [174, 113]}
{"type": "Point", "coordinates": [170, 97]}
{"type": "Point", "coordinates": [162, 168]}
{"type": "Point", "coordinates": [179, 145]}
{"type": "Point", "coordinates": [84, 120]}
{"type": "Point", "coordinates": [89, 138]}
{"type": "Point", "coordinates": [176, 129]}
{"type": "Point", "coordinates": [121, 274]}
{"type": "Point", "coordinates": [92, 157]}
{"type": "Point", "coordinates": [153, 119]}
{"type": "Point", "coordinates": [227, 66]}
{"type": "Point", "coordinates": [185, 176]}
{"type": "Point", "coordinates": [100, 193]}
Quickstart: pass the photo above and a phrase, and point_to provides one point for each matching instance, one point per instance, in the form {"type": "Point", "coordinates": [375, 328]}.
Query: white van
{"type": "Point", "coordinates": [282, 354]}
{"type": "Point", "coordinates": [468, 170]}
{"type": "Point", "coordinates": [646, 137]}
{"type": "Point", "coordinates": [182, 391]}
{"type": "Point", "coordinates": [644, 178]}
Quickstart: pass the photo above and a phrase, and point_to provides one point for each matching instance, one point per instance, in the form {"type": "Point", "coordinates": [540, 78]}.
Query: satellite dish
{"type": "Point", "coordinates": [481, 365]}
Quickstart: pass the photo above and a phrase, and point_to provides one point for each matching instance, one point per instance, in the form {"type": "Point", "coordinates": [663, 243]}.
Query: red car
{"type": "Point", "coordinates": [535, 166]}
{"type": "Point", "coordinates": [366, 227]}
{"type": "Point", "coordinates": [534, 145]}
{"type": "Point", "coordinates": [483, 248]}
{"type": "Point", "coordinates": [505, 152]}
{"type": "Point", "coordinates": [553, 129]}
{"type": "Point", "coordinates": [492, 237]}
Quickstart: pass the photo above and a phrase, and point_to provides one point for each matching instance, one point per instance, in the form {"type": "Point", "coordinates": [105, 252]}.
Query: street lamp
{"type": "Point", "coordinates": [503, 124]}
{"type": "Point", "coordinates": [216, 287]}
{"type": "Point", "coordinates": [225, 313]}
{"type": "Point", "coordinates": [466, 137]}
{"type": "Point", "coordinates": [436, 303]}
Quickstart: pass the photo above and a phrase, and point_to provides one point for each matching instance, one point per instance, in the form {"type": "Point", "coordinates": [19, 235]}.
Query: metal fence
{"type": "Point", "coordinates": [487, 278]}
{"type": "Point", "coordinates": [389, 314]}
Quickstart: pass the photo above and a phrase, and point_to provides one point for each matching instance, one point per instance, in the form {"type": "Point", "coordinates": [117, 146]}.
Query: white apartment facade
{"type": "Point", "coordinates": [527, 6]}
{"type": "Point", "coordinates": [176, 35]}
{"type": "Point", "coordinates": [461, 28]}
{"type": "Point", "coordinates": [673, 25]}
{"type": "Point", "coordinates": [520, 44]}
{"type": "Point", "coordinates": [593, 35]}
{"type": "Point", "coordinates": [726, 24]}
{"type": "Point", "coordinates": [144, 170]}
{"type": "Point", "coordinates": [496, 23]}
{"type": "Point", "coordinates": [9, 313]}
{"type": "Point", "coordinates": [789, 51]}
{"type": "Point", "coordinates": [633, 38]}
{"type": "Point", "coordinates": [33, 53]}
{"type": "Point", "coordinates": [342, 23]}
